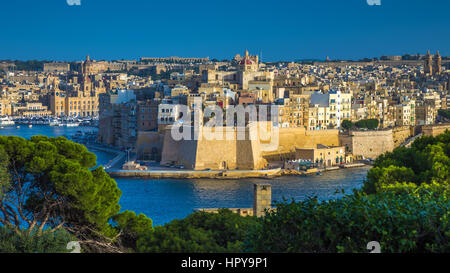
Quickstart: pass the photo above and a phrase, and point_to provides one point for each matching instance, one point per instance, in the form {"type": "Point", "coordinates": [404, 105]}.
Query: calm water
{"type": "Point", "coordinates": [165, 200]}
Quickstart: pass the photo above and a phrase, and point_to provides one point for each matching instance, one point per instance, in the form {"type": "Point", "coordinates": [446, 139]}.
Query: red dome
{"type": "Point", "coordinates": [246, 61]}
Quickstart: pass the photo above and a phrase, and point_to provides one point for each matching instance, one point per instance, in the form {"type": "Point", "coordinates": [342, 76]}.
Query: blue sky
{"type": "Point", "coordinates": [281, 30]}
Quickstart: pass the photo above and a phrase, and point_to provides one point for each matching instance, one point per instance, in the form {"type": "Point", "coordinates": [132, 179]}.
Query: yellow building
{"type": "Point", "coordinates": [81, 102]}
{"type": "Point", "coordinates": [318, 117]}
{"type": "Point", "coordinates": [30, 109]}
{"type": "Point", "coordinates": [329, 110]}
{"type": "Point", "coordinates": [405, 114]}
{"type": "Point", "coordinates": [322, 155]}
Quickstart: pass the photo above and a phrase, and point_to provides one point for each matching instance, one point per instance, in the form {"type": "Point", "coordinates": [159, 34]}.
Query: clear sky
{"type": "Point", "coordinates": [280, 29]}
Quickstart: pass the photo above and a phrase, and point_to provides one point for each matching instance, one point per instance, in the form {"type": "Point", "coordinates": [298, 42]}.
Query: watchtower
{"type": "Point", "coordinates": [262, 199]}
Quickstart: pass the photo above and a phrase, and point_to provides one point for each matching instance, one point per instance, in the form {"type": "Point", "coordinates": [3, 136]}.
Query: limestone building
{"type": "Point", "coordinates": [81, 101]}
{"type": "Point", "coordinates": [56, 67]}
{"type": "Point", "coordinates": [433, 64]}
{"type": "Point", "coordinates": [248, 69]}
{"type": "Point", "coordinates": [322, 155]}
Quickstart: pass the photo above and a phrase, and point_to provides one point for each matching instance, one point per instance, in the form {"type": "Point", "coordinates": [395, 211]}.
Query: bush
{"type": "Point", "coordinates": [444, 113]}
{"type": "Point", "coordinates": [200, 232]}
{"type": "Point", "coordinates": [370, 124]}
{"type": "Point", "coordinates": [427, 161]}
{"type": "Point", "coordinates": [405, 222]}
{"type": "Point", "coordinates": [22, 242]}
{"type": "Point", "coordinates": [347, 124]}
{"type": "Point", "coordinates": [404, 205]}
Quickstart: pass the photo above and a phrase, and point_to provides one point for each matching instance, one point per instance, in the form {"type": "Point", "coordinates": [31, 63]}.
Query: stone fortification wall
{"type": "Point", "coordinates": [368, 144]}
{"type": "Point", "coordinates": [435, 130]}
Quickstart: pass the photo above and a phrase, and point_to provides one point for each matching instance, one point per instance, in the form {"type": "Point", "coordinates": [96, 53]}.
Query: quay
{"type": "Point", "coordinates": [191, 174]}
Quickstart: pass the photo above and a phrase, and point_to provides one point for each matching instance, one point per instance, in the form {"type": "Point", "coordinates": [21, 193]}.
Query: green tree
{"type": "Point", "coordinates": [383, 177]}
{"type": "Point", "coordinates": [427, 161]}
{"type": "Point", "coordinates": [54, 184]}
{"type": "Point", "coordinates": [131, 227]}
{"type": "Point", "coordinates": [402, 221]}
{"type": "Point", "coordinates": [200, 232]}
{"type": "Point", "coordinates": [404, 204]}
{"type": "Point", "coordinates": [370, 124]}
{"type": "Point", "coordinates": [4, 174]}
{"type": "Point", "coordinates": [12, 241]}
{"type": "Point", "coordinates": [347, 124]}
{"type": "Point", "coordinates": [445, 113]}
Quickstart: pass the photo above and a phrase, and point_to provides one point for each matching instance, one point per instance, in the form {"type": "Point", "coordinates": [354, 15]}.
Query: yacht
{"type": "Point", "coordinates": [6, 121]}
{"type": "Point", "coordinates": [72, 124]}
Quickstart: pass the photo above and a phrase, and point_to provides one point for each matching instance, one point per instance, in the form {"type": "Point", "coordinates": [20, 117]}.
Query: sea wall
{"type": "Point", "coordinates": [435, 130]}
{"type": "Point", "coordinates": [149, 145]}
{"type": "Point", "coordinates": [228, 153]}
{"type": "Point", "coordinates": [292, 138]}
{"type": "Point", "coordinates": [249, 154]}
{"type": "Point", "coordinates": [368, 144]}
{"type": "Point", "coordinates": [193, 174]}
{"type": "Point", "coordinates": [401, 134]}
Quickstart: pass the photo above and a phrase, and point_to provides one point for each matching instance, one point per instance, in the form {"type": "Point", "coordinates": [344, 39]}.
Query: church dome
{"type": "Point", "coordinates": [246, 61]}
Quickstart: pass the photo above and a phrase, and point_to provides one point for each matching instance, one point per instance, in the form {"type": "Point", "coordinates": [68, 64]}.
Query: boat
{"type": "Point", "coordinates": [72, 124]}
{"type": "Point", "coordinates": [54, 122]}
{"type": "Point", "coordinates": [6, 121]}
{"type": "Point", "coordinates": [30, 126]}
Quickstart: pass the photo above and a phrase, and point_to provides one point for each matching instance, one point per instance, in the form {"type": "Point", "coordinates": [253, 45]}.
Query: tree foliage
{"type": "Point", "coordinates": [405, 222]}
{"type": "Point", "coordinates": [370, 124]}
{"type": "Point", "coordinates": [445, 113]}
{"type": "Point", "coordinates": [132, 226]}
{"type": "Point", "coordinates": [427, 161]}
{"type": "Point", "coordinates": [200, 232]}
{"type": "Point", "coordinates": [52, 185]}
{"type": "Point", "coordinates": [347, 124]}
{"type": "Point", "coordinates": [32, 65]}
{"type": "Point", "coordinates": [12, 241]}
{"type": "Point", "coordinates": [404, 205]}
{"type": "Point", "coordinates": [4, 174]}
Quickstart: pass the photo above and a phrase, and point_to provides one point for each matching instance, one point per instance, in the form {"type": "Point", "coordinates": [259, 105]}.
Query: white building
{"type": "Point", "coordinates": [168, 112]}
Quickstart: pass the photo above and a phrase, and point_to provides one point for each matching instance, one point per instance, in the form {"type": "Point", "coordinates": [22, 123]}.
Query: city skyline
{"type": "Point", "coordinates": [287, 31]}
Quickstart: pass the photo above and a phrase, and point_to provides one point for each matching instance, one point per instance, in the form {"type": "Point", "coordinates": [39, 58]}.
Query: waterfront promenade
{"type": "Point", "coordinates": [191, 174]}
{"type": "Point", "coordinates": [118, 160]}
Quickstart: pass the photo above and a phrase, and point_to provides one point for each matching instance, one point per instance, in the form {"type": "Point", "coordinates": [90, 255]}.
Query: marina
{"type": "Point", "coordinates": [49, 121]}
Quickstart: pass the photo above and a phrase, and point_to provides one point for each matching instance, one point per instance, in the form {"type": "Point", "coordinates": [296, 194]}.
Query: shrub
{"type": "Point", "coordinates": [404, 221]}
{"type": "Point", "coordinates": [12, 241]}
{"type": "Point", "coordinates": [200, 232]}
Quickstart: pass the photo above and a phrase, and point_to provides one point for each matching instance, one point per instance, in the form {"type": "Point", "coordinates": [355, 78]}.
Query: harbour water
{"type": "Point", "coordinates": [165, 200]}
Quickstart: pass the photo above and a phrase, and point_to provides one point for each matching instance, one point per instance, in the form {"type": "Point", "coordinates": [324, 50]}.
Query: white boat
{"type": "Point", "coordinates": [6, 121]}
{"type": "Point", "coordinates": [72, 124]}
